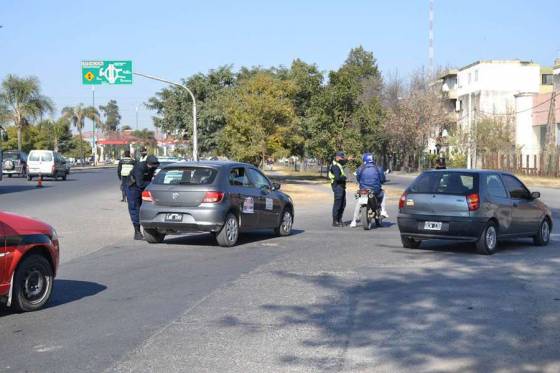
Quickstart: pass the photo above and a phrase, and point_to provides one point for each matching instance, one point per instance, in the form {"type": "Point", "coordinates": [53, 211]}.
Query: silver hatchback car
{"type": "Point", "coordinates": [223, 198]}
{"type": "Point", "coordinates": [480, 206]}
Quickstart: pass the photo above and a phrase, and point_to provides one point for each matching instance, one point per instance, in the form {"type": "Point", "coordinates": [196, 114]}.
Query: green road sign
{"type": "Point", "coordinates": [106, 72]}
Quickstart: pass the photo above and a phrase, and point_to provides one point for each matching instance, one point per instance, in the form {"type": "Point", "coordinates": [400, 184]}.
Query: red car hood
{"type": "Point", "coordinates": [17, 224]}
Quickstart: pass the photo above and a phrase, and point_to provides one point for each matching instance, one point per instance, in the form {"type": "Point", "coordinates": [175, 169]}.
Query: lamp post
{"type": "Point", "coordinates": [195, 136]}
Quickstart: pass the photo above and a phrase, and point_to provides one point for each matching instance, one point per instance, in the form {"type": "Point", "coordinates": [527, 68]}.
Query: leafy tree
{"type": "Point", "coordinates": [21, 102]}
{"type": "Point", "coordinates": [54, 135]}
{"type": "Point", "coordinates": [335, 120]}
{"type": "Point", "coordinates": [76, 148]}
{"type": "Point", "coordinates": [259, 118]}
{"type": "Point", "coordinates": [111, 115]}
{"type": "Point", "coordinates": [173, 107]}
{"type": "Point", "coordinates": [77, 116]}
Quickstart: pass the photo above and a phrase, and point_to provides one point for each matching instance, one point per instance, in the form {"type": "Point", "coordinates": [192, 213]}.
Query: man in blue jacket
{"type": "Point", "coordinates": [140, 176]}
{"type": "Point", "coordinates": [369, 176]}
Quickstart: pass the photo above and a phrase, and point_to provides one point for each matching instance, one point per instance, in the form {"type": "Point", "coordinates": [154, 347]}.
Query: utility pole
{"type": "Point", "coordinates": [431, 40]}
{"type": "Point", "coordinates": [195, 136]}
{"type": "Point", "coordinates": [469, 141]}
{"type": "Point", "coordinates": [551, 134]}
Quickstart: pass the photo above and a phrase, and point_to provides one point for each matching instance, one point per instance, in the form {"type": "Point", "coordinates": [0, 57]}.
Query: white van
{"type": "Point", "coordinates": [46, 163]}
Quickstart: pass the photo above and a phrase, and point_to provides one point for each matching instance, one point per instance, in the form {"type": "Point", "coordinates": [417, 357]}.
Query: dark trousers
{"type": "Point", "coordinates": [339, 204]}
{"type": "Point", "coordinates": [134, 199]}
{"type": "Point", "coordinates": [124, 186]}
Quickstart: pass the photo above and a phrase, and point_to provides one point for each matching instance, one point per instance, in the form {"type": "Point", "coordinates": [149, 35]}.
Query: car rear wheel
{"type": "Point", "coordinates": [488, 241]}
{"type": "Point", "coordinates": [228, 235]}
{"type": "Point", "coordinates": [285, 228]}
{"type": "Point", "coordinates": [153, 236]}
{"type": "Point", "coordinates": [410, 243]}
{"type": "Point", "coordinates": [542, 238]}
{"type": "Point", "coordinates": [33, 283]}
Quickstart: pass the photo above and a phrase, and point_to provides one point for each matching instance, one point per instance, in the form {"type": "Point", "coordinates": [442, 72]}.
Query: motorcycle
{"type": "Point", "coordinates": [370, 208]}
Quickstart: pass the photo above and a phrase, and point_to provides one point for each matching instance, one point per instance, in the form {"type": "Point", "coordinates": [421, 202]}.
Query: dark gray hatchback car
{"type": "Point", "coordinates": [223, 198]}
{"type": "Point", "coordinates": [480, 206]}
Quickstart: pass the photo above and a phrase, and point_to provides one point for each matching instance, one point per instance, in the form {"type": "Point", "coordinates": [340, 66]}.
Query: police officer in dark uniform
{"type": "Point", "coordinates": [338, 185]}
{"type": "Point", "coordinates": [141, 175]}
{"type": "Point", "coordinates": [126, 164]}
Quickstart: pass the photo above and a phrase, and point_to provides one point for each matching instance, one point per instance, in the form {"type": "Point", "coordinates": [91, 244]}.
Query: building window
{"type": "Point", "coordinates": [547, 79]}
{"type": "Point", "coordinates": [476, 75]}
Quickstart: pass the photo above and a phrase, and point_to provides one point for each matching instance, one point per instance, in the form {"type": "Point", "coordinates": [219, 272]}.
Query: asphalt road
{"type": "Point", "coordinates": [323, 299]}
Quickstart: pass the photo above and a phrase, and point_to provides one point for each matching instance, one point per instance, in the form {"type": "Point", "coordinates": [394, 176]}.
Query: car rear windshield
{"type": "Point", "coordinates": [461, 183]}
{"type": "Point", "coordinates": [185, 176]}
{"type": "Point", "coordinates": [40, 156]}
{"type": "Point", "coordinates": [10, 156]}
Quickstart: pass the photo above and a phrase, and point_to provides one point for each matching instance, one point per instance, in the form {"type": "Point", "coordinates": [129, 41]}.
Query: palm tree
{"type": "Point", "coordinates": [77, 116]}
{"type": "Point", "coordinates": [21, 102]}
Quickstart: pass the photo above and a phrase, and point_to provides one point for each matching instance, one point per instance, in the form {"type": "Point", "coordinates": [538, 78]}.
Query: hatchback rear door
{"type": "Point", "coordinates": [441, 194]}
{"type": "Point", "coordinates": [182, 186]}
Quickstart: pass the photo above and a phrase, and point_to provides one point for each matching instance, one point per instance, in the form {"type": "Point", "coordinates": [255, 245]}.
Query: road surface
{"type": "Point", "coordinates": [323, 299]}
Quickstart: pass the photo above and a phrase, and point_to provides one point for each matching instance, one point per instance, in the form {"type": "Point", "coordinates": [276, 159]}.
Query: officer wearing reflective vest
{"type": "Point", "coordinates": [126, 164]}
{"type": "Point", "coordinates": [338, 185]}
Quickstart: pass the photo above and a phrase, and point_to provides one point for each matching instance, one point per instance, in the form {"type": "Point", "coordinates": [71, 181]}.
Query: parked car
{"type": "Point", "coordinates": [29, 255]}
{"type": "Point", "coordinates": [14, 162]}
{"type": "Point", "coordinates": [471, 205]}
{"type": "Point", "coordinates": [224, 198]}
{"type": "Point", "coordinates": [46, 163]}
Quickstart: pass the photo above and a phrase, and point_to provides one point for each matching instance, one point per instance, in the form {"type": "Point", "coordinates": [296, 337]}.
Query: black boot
{"type": "Point", "coordinates": [336, 223]}
{"type": "Point", "coordinates": [138, 233]}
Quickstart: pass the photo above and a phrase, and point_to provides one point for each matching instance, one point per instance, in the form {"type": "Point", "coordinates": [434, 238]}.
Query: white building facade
{"type": "Point", "coordinates": [506, 89]}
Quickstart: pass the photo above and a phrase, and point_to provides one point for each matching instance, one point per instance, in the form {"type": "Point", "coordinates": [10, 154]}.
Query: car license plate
{"type": "Point", "coordinates": [432, 226]}
{"type": "Point", "coordinates": [174, 217]}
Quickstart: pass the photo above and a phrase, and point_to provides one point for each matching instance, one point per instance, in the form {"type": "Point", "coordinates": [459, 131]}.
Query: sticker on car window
{"type": "Point", "coordinates": [269, 203]}
{"type": "Point", "coordinates": [249, 205]}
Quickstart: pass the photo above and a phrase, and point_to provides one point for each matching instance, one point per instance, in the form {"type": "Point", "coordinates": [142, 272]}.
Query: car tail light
{"type": "Point", "coordinates": [402, 201]}
{"type": "Point", "coordinates": [473, 200]}
{"type": "Point", "coordinates": [147, 196]}
{"type": "Point", "coordinates": [212, 197]}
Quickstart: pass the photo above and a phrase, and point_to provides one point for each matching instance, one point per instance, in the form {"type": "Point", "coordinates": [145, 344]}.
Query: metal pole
{"type": "Point", "coordinates": [136, 117]}
{"type": "Point", "coordinates": [94, 129]}
{"type": "Point", "coordinates": [195, 135]}
{"type": "Point", "coordinates": [469, 142]}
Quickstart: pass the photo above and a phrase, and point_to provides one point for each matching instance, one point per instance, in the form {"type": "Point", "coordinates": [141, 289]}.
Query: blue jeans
{"type": "Point", "coordinates": [134, 199]}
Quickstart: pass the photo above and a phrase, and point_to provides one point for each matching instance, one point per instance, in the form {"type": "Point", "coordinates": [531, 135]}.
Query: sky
{"type": "Point", "coordinates": [174, 39]}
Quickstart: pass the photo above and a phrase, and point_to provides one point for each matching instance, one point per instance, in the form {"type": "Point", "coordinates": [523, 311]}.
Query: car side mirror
{"type": "Point", "coordinates": [535, 195]}
{"type": "Point", "coordinates": [276, 186]}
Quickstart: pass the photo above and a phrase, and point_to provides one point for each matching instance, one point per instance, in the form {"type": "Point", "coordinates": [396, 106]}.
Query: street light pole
{"type": "Point", "coordinates": [94, 129]}
{"type": "Point", "coordinates": [195, 136]}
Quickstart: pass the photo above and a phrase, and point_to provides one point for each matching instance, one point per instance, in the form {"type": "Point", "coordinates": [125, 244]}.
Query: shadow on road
{"type": "Point", "coordinates": [6, 189]}
{"type": "Point", "coordinates": [207, 239]}
{"type": "Point", "coordinates": [459, 316]}
{"type": "Point", "coordinates": [67, 291]}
